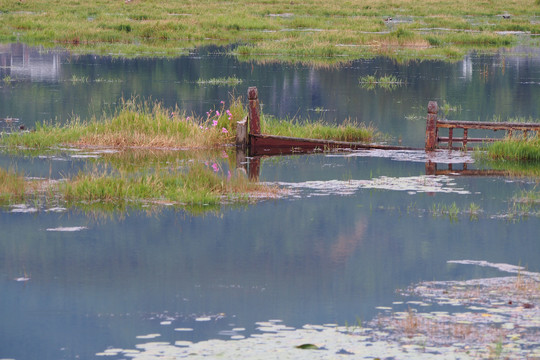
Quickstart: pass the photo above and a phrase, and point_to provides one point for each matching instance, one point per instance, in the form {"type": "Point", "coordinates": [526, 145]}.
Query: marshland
{"type": "Point", "coordinates": [131, 225]}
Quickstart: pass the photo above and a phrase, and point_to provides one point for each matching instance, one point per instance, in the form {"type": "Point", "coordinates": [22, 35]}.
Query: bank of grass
{"type": "Point", "coordinates": [149, 125]}
{"type": "Point", "coordinates": [301, 29]}
{"type": "Point", "coordinates": [135, 124]}
{"type": "Point", "coordinates": [347, 131]}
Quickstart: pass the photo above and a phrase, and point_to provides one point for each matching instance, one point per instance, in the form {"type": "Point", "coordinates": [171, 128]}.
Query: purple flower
{"type": "Point", "coordinates": [214, 123]}
{"type": "Point", "coordinates": [215, 167]}
{"type": "Point", "coordinates": [223, 130]}
{"type": "Point", "coordinates": [217, 113]}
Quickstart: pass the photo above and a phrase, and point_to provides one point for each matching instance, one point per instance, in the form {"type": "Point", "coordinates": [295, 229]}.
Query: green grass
{"type": "Point", "coordinates": [308, 30]}
{"type": "Point", "coordinates": [135, 124]}
{"type": "Point", "coordinates": [12, 186]}
{"type": "Point", "coordinates": [515, 150]}
{"type": "Point", "coordinates": [387, 82]}
{"type": "Point", "coordinates": [228, 81]}
{"type": "Point", "coordinates": [198, 185]}
{"type": "Point", "coordinates": [348, 131]}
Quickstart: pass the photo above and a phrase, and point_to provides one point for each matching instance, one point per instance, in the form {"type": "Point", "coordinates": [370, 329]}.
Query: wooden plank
{"type": "Point", "coordinates": [488, 125]}
{"type": "Point", "coordinates": [468, 139]}
{"type": "Point", "coordinates": [272, 145]}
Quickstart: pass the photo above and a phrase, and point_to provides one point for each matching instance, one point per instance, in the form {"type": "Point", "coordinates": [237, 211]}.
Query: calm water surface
{"type": "Point", "coordinates": [330, 252]}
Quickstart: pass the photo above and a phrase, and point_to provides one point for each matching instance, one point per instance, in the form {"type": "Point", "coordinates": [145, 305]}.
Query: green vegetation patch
{"type": "Point", "coordinates": [12, 186]}
{"type": "Point", "coordinates": [347, 131]}
{"type": "Point", "coordinates": [516, 150]}
{"type": "Point", "coordinates": [300, 30]}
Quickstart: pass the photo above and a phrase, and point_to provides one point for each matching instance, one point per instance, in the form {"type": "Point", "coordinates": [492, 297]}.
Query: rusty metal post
{"type": "Point", "coordinates": [450, 138]}
{"type": "Point", "coordinates": [254, 111]}
{"type": "Point", "coordinates": [465, 135]}
{"type": "Point", "coordinates": [431, 126]}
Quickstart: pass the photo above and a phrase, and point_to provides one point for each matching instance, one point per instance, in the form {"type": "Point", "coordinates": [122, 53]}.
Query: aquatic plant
{"type": "Point", "coordinates": [134, 124]}
{"type": "Point", "coordinates": [229, 81]}
{"type": "Point", "coordinates": [387, 82]}
{"type": "Point", "coordinates": [12, 186]}
{"type": "Point", "coordinates": [512, 149]}
{"type": "Point", "coordinates": [347, 131]}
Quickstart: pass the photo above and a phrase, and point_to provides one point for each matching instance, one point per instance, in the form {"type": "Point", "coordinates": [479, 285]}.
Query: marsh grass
{"type": "Point", "coordinates": [314, 29]}
{"type": "Point", "coordinates": [197, 185]}
{"type": "Point", "coordinates": [516, 150]}
{"type": "Point", "coordinates": [135, 124]}
{"type": "Point", "coordinates": [347, 131]}
{"type": "Point", "coordinates": [228, 81]}
{"type": "Point", "coordinates": [387, 82]}
{"type": "Point", "coordinates": [12, 186]}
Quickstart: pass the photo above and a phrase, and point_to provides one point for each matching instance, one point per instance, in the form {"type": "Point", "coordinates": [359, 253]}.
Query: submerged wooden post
{"type": "Point", "coordinates": [431, 126]}
{"type": "Point", "coordinates": [241, 133]}
{"type": "Point", "coordinates": [254, 111]}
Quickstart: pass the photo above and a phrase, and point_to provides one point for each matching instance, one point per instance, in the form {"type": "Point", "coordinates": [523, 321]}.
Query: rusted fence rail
{"type": "Point", "coordinates": [434, 124]}
{"type": "Point", "coordinates": [268, 144]}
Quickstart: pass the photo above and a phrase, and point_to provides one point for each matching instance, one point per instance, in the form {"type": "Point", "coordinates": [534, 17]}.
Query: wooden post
{"type": "Point", "coordinates": [465, 134]}
{"type": "Point", "coordinates": [254, 111]}
{"type": "Point", "coordinates": [431, 126]}
{"type": "Point", "coordinates": [241, 133]}
{"type": "Point", "coordinates": [450, 136]}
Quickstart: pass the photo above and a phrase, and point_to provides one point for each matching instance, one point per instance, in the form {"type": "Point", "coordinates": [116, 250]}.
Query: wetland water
{"type": "Point", "coordinates": [354, 229]}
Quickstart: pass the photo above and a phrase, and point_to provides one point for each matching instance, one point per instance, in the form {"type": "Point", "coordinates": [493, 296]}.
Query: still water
{"type": "Point", "coordinates": [354, 229]}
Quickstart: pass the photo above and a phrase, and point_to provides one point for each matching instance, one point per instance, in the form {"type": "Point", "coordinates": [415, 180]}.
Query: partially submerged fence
{"type": "Point", "coordinates": [434, 124]}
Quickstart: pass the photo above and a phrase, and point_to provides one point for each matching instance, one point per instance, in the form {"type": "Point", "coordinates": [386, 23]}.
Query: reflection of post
{"type": "Point", "coordinates": [431, 168]}
{"type": "Point", "coordinates": [254, 168]}
{"type": "Point", "coordinates": [431, 126]}
{"type": "Point", "coordinates": [254, 111]}
{"type": "Point", "coordinates": [241, 160]}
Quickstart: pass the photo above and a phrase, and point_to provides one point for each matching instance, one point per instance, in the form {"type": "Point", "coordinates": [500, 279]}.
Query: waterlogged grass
{"type": "Point", "coordinates": [387, 82]}
{"type": "Point", "coordinates": [516, 150]}
{"type": "Point", "coordinates": [347, 131]}
{"type": "Point", "coordinates": [228, 81]}
{"type": "Point", "coordinates": [301, 30]}
{"type": "Point", "coordinates": [135, 124]}
{"type": "Point", "coordinates": [198, 185]}
{"type": "Point", "coordinates": [12, 186]}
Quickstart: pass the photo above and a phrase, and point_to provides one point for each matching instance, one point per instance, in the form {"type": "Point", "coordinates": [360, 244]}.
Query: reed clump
{"type": "Point", "coordinates": [12, 186]}
{"type": "Point", "coordinates": [135, 124]}
{"type": "Point", "coordinates": [512, 149]}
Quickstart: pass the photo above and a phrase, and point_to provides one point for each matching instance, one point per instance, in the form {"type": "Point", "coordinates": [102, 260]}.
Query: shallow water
{"type": "Point", "coordinates": [354, 228]}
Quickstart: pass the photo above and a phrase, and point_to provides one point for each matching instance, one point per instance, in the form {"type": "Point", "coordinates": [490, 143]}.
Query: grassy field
{"type": "Point", "coordinates": [299, 30]}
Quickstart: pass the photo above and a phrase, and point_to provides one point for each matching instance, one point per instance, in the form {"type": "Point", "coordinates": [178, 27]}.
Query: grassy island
{"type": "Point", "coordinates": [151, 155]}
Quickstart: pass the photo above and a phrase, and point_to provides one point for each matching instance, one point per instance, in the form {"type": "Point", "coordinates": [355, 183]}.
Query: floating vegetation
{"type": "Point", "coordinates": [7, 80]}
{"type": "Point", "coordinates": [228, 81]}
{"type": "Point", "coordinates": [78, 79]}
{"type": "Point", "coordinates": [413, 185]}
{"type": "Point", "coordinates": [489, 317]}
{"type": "Point", "coordinates": [387, 82]}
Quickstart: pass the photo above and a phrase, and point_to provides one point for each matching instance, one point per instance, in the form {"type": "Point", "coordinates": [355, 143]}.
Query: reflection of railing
{"type": "Point", "coordinates": [433, 124]}
{"type": "Point", "coordinates": [431, 169]}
